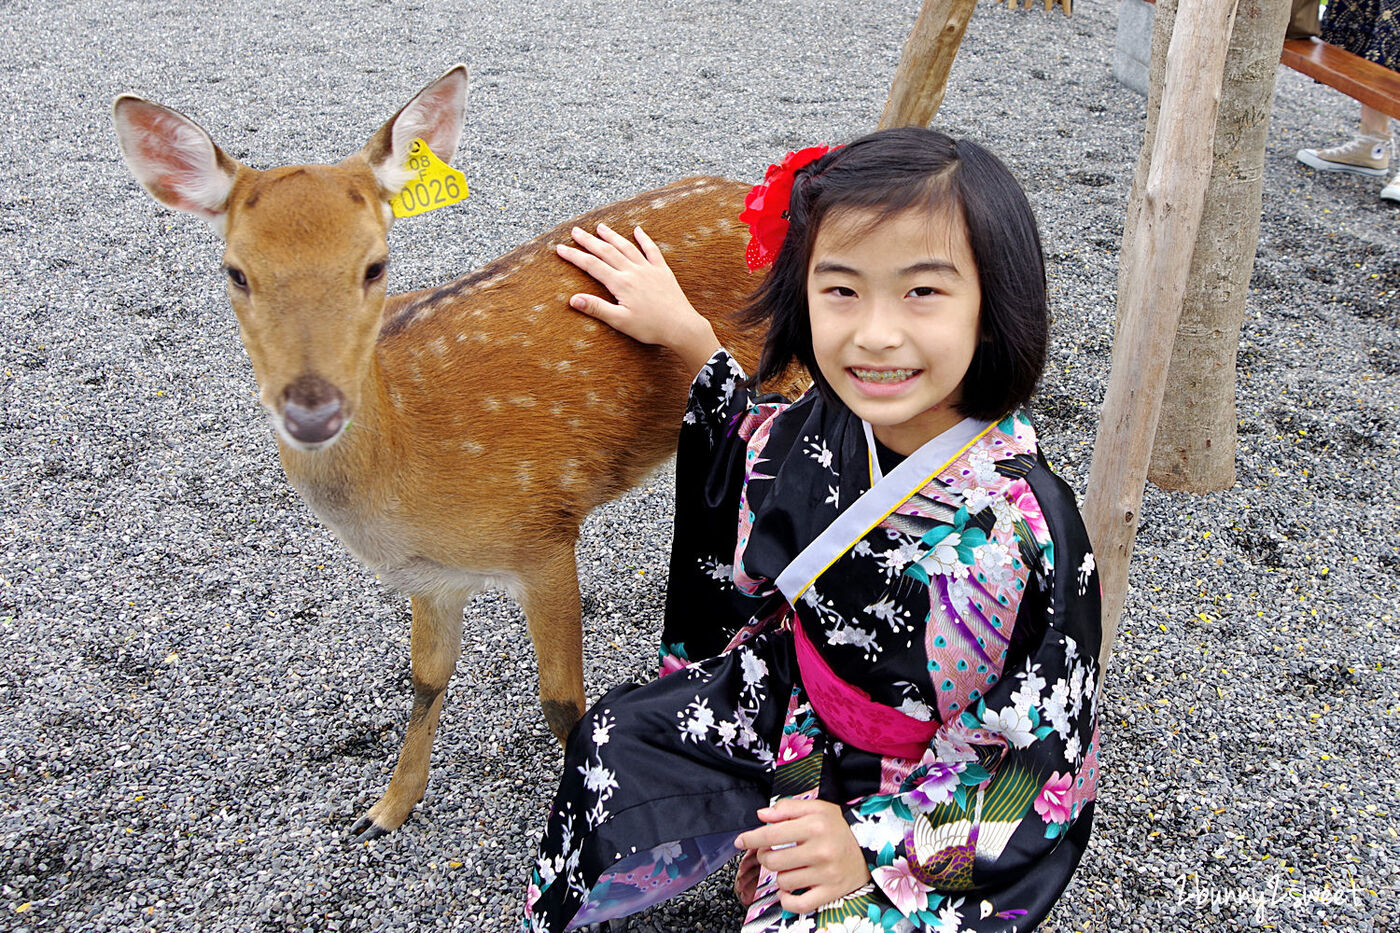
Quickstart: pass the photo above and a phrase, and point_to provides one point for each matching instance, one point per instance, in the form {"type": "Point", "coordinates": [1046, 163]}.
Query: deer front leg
{"type": "Point", "coordinates": [435, 643]}
{"type": "Point", "coordinates": [551, 603]}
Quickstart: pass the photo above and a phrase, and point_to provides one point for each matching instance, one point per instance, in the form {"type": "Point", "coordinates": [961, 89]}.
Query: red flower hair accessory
{"type": "Point", "coordinates": [766, 206]}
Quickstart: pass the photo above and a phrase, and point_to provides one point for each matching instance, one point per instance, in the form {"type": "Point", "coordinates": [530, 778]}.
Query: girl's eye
{"type": "Point", "coordinates": [841, 291]}
{"type": "Point", "coordinates": [923, 291]}
{"type": "Point", "coordinates": [374, 272]}
{"type": "Point", "coordinates": [236, 276]}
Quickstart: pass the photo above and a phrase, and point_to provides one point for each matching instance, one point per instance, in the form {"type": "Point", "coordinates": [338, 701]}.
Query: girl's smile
{"type": "Point", "coordinates": [895, 306]}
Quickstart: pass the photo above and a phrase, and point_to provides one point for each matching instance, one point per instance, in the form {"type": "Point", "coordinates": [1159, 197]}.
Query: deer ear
{"type": "Point", "coordinates": [435, 115]}
{"type": "Point", "coordinates": [174, 159]}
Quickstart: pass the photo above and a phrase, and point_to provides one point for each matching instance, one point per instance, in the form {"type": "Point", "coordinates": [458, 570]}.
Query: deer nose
{"type": "Point", "coordinates": [313, 410]}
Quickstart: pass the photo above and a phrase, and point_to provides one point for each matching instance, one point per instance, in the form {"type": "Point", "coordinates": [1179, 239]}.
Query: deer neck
{"type": "Point", "coordinates": [353, 478]}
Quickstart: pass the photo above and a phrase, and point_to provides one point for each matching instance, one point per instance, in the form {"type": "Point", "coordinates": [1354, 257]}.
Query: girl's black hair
{"type": "Point", "coordinates": [911, 168]}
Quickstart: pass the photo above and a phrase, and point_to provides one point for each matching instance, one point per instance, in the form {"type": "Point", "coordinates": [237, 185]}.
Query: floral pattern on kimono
{"type": "Point", "coordinates": [968, 613]}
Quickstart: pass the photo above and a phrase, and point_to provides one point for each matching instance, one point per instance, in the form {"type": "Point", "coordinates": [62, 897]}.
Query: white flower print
{"type": "Point", "coordinates": [994, 560]}
{"type": "Point", "coordinates": [886, 610]}
{"type": "Point", "coordinates": [1072, 749]}
{"type": "Point", "coordinates": [1056, 706]}
{"type": "Point", "coordinates": [879, 830]}
{"type": "Point", "coordinates": [800, 924]}
{"type": "Point", "coordinates": [1028, 693]}
{"type": "Point", "coordinates": [976, 499]}
{"type": "Point", "coordinates": [689, 417]}
{"type": "Point", "coordinates": [666, 853]}
{"type": "Point", "coordinates": [862, 548]}
{"type": "Point", "coordinates": [819, 452]}
{"type": "Point", "coordinates": [943, 560]}
{"type": "Point", "coordinates": [599, 779]}
{"type": "Point", "coordinates": [726, 732]}
{"type": "Point", "coordinates": [893, 561]}
{"type": "Point", "coordinates": [858, 924]}
{"type": "Point", "coordinates": [755, 668]}
{"type": "Point", "coordinates": [549, 869]}
{"type": "Point", "coordinates": [716, 570]}
{"type": "Point", "coordinates": [948, 919]}
{"type": "Point", "coordinates": [601, 727]}
{"type": "Point", "coordinates": [696, 720]}
{"type": "Point", "coordinates": [1085, 569]}
{"type": "Point", "coordinates": [960, 594]}
{"type": "Point", "coordinates": [852, 635]}
{"type": "Point", "coordinates": [984, 471]}
{"type": "Point", "coordinates": [833, 497]}
{"type": "Point", "coordinates": [1006, 514]}
{"type": "Point", "coordinates": [916, 709]}
{"type": "Point", "coordinates": [728, 387]}
{"type": "Point", "coordinates": [1013, 723]}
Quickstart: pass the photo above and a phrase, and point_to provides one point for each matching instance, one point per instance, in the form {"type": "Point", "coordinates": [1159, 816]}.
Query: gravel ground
{"type": "Point", "coordinates": [201, 689]}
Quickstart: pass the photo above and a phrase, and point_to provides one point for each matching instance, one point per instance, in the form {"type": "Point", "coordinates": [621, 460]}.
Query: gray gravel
{"type": "Point", "coordinates": [201, 690]}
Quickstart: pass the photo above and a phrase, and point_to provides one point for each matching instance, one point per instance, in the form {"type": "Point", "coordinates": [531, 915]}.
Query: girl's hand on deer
{"type": "Point", "coordinates": [808, 845]}
{"type": "Point", "coordinates": [650, 305]}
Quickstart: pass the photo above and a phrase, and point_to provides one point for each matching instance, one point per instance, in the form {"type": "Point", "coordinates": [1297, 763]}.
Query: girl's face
{"type": "Point", "coordinates": [895, 306]}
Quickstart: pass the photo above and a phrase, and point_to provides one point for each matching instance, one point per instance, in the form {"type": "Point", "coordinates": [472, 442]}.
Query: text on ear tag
{"type": "Point", "coordinates": [435, 183]}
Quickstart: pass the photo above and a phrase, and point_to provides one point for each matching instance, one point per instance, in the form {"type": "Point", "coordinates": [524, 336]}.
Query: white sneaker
{"type": "Point", "coordinates": [1391, 192]}
{"type": "Point", "coordinates": [1362, 155]}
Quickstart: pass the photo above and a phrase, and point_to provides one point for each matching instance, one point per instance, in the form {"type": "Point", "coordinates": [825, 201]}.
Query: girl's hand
{"type": "Point", "coordinates": [807, 844]}
{"type": "Point", "coordinates": [650, 308]}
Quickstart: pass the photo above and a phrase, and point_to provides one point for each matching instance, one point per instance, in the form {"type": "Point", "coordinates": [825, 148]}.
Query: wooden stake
{"type": "Point", "coordinates": [1150, 299]}
{"type": "Point", "coordinates": [922, 77]}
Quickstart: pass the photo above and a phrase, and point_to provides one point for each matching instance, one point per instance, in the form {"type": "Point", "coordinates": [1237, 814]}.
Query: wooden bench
{"type": "Point", "coordinates": [1358, 78]}
{"type": "Point", "coordinates": [1371, 84]}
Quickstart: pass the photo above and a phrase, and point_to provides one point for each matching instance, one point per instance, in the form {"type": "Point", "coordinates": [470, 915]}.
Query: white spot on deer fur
{"type": "Point", "coordinates": [490, 403]}
{"type": "Point", "coordinates": [439, 346]}
{"type": "Point", "coordinates": [537, 308]}
{"type": "Point", "coordinates": [703, 231]}
{"type": "Point", "coordinates": [472, 447]}
{"type": "Point", "coordinates": [592, 398]}
{"type": "Point", "coordinates": [557, 409]}
{"type": "Point", "coordinates": [568, 473]}
{"type": "Point", "coordinates": [461, 337]}
{"type": "Point", "coordinates": [524, 472]}
{"type": "Point", "coordinates": [561, 366]}
{"type": "Point", "coordinates": [658, 203]}
{"type": "Point", "coordinates": [590, 326]}
{"type": "Point", "coordinates": [582, 344]}
{"type": "Point", "coordinates": [524, 401]}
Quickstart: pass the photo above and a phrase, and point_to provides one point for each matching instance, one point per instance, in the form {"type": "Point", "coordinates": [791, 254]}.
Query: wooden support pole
{"type": "Point", "coordinates": [1196, 438]}
{"type": "Point", "coordinates": [1158, 257]}
{"type": "Point", "coordinates": [922, 77]}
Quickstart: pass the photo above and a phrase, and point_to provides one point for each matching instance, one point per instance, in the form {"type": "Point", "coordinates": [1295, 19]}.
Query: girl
{"type": "Point", "coordinates": [883, 615]}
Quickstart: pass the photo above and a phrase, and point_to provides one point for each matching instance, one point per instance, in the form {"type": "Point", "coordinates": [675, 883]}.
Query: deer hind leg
{"type": "Point", "coordinates": [551, 602]}
{"type": "Point", "coordinates": [435, 643]}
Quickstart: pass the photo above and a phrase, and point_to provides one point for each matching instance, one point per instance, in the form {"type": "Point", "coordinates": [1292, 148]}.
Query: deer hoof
{"type": "Point", "coordinates": [366, 829]}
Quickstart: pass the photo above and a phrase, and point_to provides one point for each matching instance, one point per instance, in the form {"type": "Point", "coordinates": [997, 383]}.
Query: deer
{"type": "Point", "coordinates": [454, 438]}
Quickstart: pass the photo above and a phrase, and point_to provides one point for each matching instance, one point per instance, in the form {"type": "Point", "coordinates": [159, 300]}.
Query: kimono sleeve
{"type": "Point", "coordinates": [988, 828]}
{"type": "Point", "coordinates": [703, 607]}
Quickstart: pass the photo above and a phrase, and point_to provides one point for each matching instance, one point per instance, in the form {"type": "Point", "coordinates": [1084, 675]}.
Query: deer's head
{"type": "Point", "coordinates": [305, 250]}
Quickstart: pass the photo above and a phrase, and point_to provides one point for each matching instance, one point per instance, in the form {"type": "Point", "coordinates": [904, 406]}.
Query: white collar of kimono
{"type": "Point", "coordinates": [886, 494]}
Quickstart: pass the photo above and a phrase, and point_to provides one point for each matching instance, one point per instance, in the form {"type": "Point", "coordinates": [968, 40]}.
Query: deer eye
{"type": "Point", "coordinates": [236, 276]}
{"type": "Point", "coordinates": [375, 271]}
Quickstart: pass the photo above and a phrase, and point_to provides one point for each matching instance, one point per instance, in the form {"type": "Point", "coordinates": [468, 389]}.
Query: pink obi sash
{"type": "Point", "coordinates": [849, 712]}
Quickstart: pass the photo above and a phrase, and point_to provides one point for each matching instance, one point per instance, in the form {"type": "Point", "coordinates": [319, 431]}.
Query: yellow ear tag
{"type": "Point", "coordinates": [436, 184]}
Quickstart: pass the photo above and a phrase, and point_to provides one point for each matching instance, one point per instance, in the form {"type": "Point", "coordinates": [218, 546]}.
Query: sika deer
{"type": "Point", "coordinates": [454, 438]}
